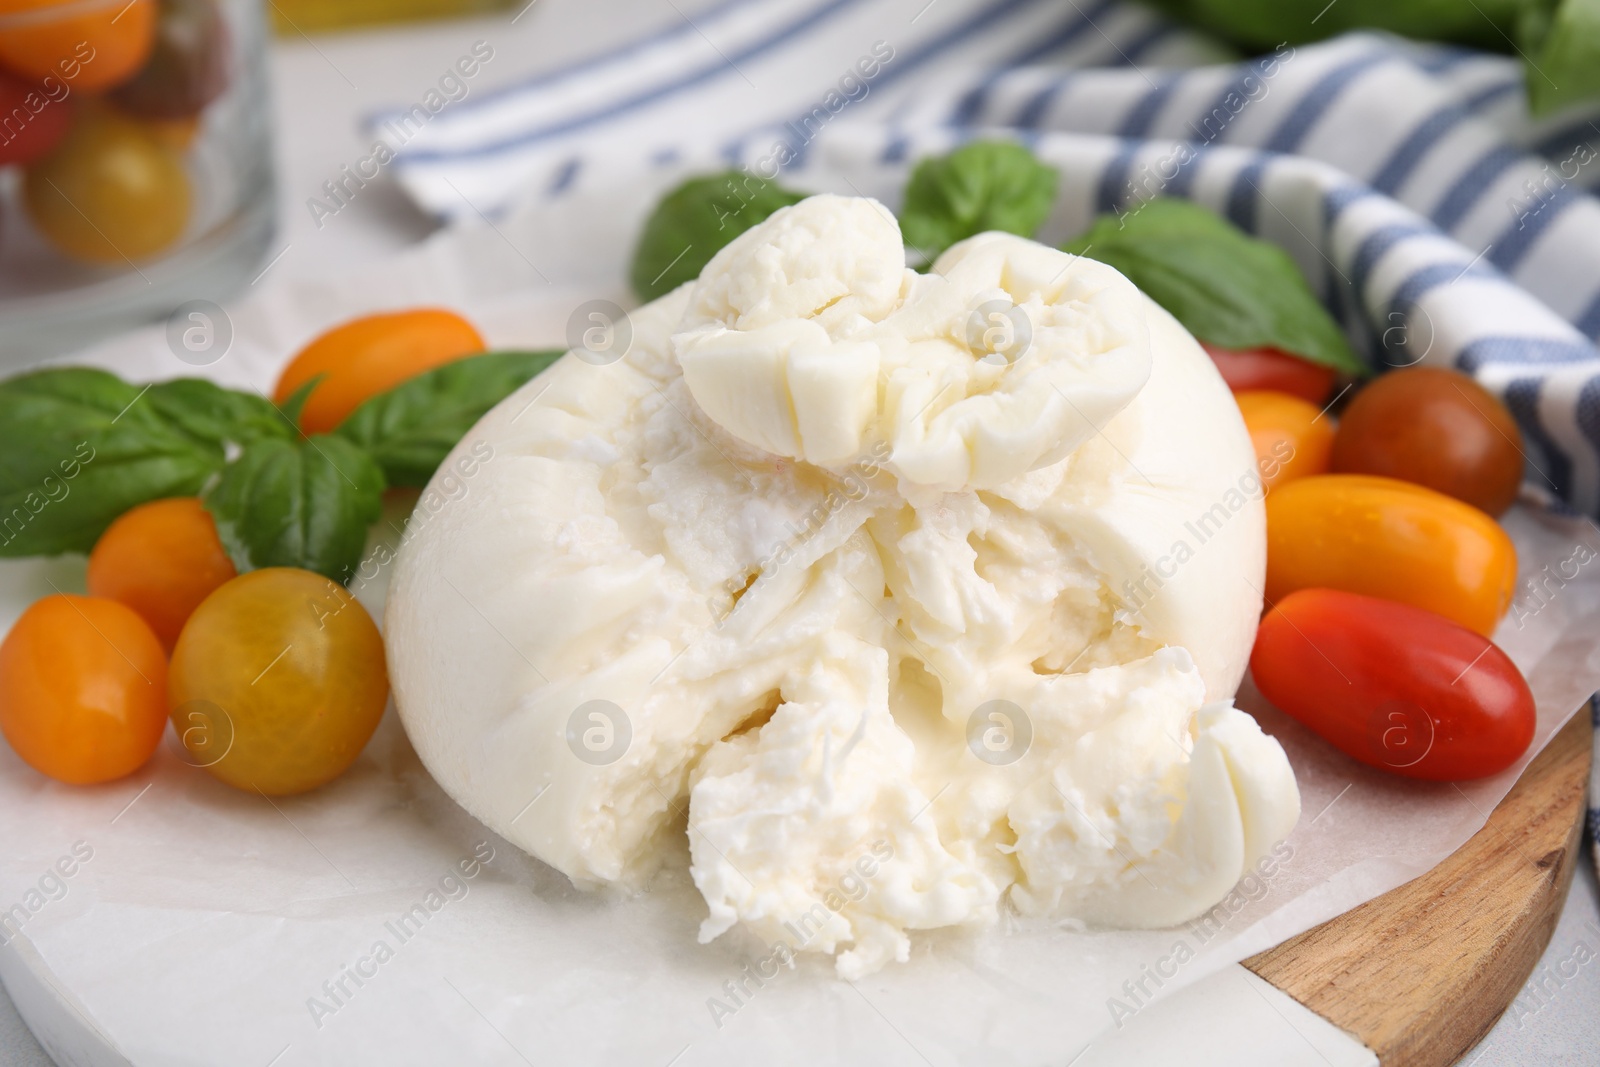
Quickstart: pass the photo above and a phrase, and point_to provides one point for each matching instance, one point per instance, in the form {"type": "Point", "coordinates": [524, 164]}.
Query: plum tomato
{"type": "Point", "coordinates": [370, 355]}
{"type": "Point", "coordinates": [110, 192]}
{"type": "Point", "coordinates": [1390, 539]}
{"type": "Point", "coordinates": [32, 122]}
{"type": "Point", "coordinates": [82, 689]}
{"type": "Point", "coordinates": [1274, 369]}
{"type": "Point", "coordinates": [188, 68]}
{"type": "Point", "coordinates": [89, 45]}
{"type": "Point", "coordinates": [161, 559]}
{"type": "Point", "coordinates": [1438, 428]}
{"type": "Point", "coordinates": [1394, 686]}
{"type": "Point", "coordinates": [1292, 437]}
{"type": "Point", "coordinates": [278, 681]}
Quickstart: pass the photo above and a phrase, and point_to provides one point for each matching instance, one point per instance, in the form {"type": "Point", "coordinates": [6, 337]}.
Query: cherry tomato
{"type": "Point", "coordinates": [1389, 539]}
{"type": "Point", "coordinates": [110, 192]}
{"type": "Point", "coordinates": [1438, 428]}
{"type": "Point", "coordinates": [32, 122]}
{"type": "Point", "coordinates": [278, 681]}
{"type": "Point", "coordinates": [1292, 436]}
{"type": "Point", "coordinates": [161, 559]}
{"type": "Point", "coordinates": [1394, 686]}
{"type": "Point", "coordinates": [176, 134]}
{"type": "Point", "coordinates": [82, 689]}
{"type": "Point", "coordinates": [1271, 368]}
{"type": "Point", "coordinates": [87, 45]}
{"type": "Point", "coordinates": [188, 67]}
{"type": "Point", "coordinates": [368, 356]}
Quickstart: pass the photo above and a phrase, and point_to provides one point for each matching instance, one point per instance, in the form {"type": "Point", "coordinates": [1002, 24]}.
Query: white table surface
{"type": "Point", "coordinates": [322, 87]}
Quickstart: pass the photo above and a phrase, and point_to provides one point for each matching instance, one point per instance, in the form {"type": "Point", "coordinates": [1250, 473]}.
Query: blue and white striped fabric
{"type": "Point", "coordinates": [1406, 178]}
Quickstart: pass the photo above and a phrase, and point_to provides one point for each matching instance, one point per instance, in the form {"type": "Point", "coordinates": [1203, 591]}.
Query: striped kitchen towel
{"type": "Point", "coordinates": [1407, 178]}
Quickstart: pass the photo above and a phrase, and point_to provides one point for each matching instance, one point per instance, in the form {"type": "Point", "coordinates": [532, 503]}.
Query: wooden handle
{"type": "Point", "coordinates": [1421, 973]}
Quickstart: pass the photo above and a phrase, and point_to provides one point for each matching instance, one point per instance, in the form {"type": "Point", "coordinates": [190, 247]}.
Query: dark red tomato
{"type": "Point", "coordinates": [187, 68]}
{"type": "Point", "coordinates": [1394, 686]}
{"type": "Point", "coordinates": [31, 123]}
{"type": "Point", "coordinates": [1438, 428]}
{"type": "Point", "coordinates": [1269, 368]}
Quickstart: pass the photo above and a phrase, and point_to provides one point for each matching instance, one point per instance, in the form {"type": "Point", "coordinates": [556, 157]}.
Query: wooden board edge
{"type": "Point", "coordinates": [1422, 972]}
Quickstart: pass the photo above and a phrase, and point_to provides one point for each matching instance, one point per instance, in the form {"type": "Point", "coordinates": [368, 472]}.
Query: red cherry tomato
{"type": "Point", "coordinates": [1394, 686]}
{"type": "Point", "coordinates": [32, 122]}
{"type": "Point", "coordinates": [1270, 368]}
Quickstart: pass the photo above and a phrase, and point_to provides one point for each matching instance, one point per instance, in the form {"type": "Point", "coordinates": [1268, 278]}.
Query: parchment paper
{"type": "Point", "coordinates": [211, 927]}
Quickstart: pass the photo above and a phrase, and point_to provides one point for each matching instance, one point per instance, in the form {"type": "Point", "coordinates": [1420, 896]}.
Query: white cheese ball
{"type": "Point", "coordinates": [913, 593]}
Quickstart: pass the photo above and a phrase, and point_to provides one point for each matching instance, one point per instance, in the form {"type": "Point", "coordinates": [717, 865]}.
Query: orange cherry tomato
{"type": "Point", "coordinates": [278, 681]}
{"type": "Point", "coordinates": [82, 689]}
{"type": "Point", "coordinates": [1394, 686]}
{"type": "Point", "coordinates": [1438, 428]}
{"type": "Point", "coordinates": [370, 355]}
{"type": "Point", "coordinates": [1391, 539]}
{"type": "Point", "coordinates": [1292, 436]}
{"type": "Point", "coordinates": [1270, 368]}
{"type": "Point", "coordinates": [161, 559]}
{"type": "Point", "coordinates": [87, 45]}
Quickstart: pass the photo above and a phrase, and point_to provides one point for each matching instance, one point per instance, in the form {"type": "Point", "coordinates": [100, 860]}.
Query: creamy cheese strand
{"type": "Point", "coordinates": [917, 596]}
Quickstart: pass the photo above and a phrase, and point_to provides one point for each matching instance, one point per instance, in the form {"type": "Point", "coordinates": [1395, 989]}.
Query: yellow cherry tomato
{"type": "Point", "coordinates": [1292, 438]}
{"type": "Point", "coordinates": [110, 192]}
{"type": "Point", "coordinates": [1386, 538]}
{"type": "Point", "coordinates": [278, 681]}
{"type": "Point", "coordinates": [176, 134]}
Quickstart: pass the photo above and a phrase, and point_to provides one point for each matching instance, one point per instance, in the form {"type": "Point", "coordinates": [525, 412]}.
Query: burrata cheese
{"type": "Point", "coordinates": [905, 598]}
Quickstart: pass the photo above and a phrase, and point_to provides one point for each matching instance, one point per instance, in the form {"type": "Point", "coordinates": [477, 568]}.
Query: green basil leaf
{"type": "Point", "coordinates": [78, 447]}
{"type": "Point", "coordinates": [1264, 24]}
{"type": "Point", "coordinates": [981, 186]}
{"type": "Point", "coordinates": [1226, 287]}
{"type": "Point", "coordinates": [220, 416]}
{"type": "Point", "coordinates": [1561, 46]}
{"type": "Point", "coordinates": [295, 403]}
{"type": "Point", "coordinates": [694, 222]}
{"type": "Point", "coordinates": [305, 503]}
{"type": "Point", "coordinates": [410, 428]}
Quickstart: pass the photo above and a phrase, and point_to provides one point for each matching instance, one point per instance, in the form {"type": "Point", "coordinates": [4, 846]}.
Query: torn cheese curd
{"type": "Point", "coordinates": [906, 598]}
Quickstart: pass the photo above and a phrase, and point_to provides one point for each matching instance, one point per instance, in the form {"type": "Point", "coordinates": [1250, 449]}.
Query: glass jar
{"type": "Point", "coordinates": [135, 163]}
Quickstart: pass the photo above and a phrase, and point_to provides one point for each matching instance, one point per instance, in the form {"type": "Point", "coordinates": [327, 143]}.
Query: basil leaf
{"type": "Point", "coordinates": [78, 447]}
{"type": "Point", "coordinates": [983, 185]}
{"type": "Point", "coordinates": [1561, 46]}
{"type": "Point", "coordinates": [220, 416]}
{"type": "Point", "coordinates": [1226, 287]}
{"type": "Point", "coordinates": [411, 428]}
{"type": "Point", "coordinates": [304, 503]}
{"type": "Point", "coordinates": [694, 222]}
{"type": "Point", "coordinates": [294, 405]}
{"type": "Point", "coordinates": [1265, 24]}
